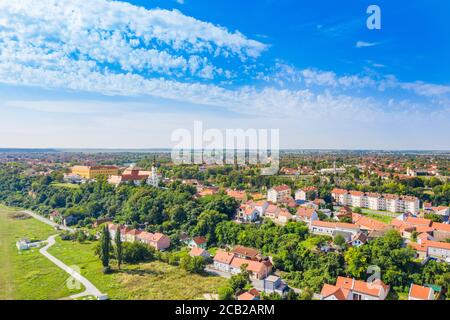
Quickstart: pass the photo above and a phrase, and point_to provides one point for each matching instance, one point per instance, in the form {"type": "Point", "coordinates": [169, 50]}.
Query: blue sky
{"type": "Point", "coordinates": [127, 74]}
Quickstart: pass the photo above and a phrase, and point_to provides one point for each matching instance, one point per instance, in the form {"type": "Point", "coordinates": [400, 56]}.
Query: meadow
{"type": "Point", "coordinates": [144, 281]}
{"type": "Point", "coordinates": [27, 275]}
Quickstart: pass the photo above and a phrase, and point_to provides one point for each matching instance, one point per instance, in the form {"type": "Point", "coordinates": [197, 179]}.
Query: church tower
{"type": "Point", "coordinates": [153, 179]}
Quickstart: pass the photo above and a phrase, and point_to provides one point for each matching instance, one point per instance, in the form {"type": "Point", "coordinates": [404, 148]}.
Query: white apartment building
{"type": "Point", "coordinates": [341, 196]}
{"type": "Point", "coordinates": [358, 199]}
{"type": "Point", "coordinates": [411, 204]}
{"type": "Point", "coordinates": [278, 193]}
{"type": "Point", "coordinates": [375, 201]}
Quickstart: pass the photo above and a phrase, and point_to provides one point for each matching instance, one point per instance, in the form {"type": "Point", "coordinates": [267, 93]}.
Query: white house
{"type": "Point", "coordinates": [278, 193]}
{"type": "Point", "coordinates": [328, 228]}
{"type": "Point", "coordinates": [351, 289]}
{"type": "Point", "coordinates": [222, 260]}
{"type": "Point", "coordinates": [417, 292]}
{"type": "Point", "coordinates": [306, 193]}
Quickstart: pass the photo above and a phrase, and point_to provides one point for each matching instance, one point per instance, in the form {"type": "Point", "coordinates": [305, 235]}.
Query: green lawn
{"type": "Point", "coordinates": [154, 280]}
{"type": "Point", "coordinates": [27, 275]}
{"type": "Point", "coordinates": [385, 219]}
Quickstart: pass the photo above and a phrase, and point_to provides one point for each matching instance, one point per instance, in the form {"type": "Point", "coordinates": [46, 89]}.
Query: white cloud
{"type": "Point", "coordinates": [113, 48]}
{"type": "Point", "coordinates": [363, 44]}
{"type": "Point", "coordinates": [426, 89]}
{"type": "Point", "coordinates": [117, 36]}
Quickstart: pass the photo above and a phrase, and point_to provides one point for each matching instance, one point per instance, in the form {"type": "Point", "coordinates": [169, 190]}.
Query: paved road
{"type": "Point", "coordinates": [47, 221]}
{"type": "Point", "coordinates": [222, 274]}
{"type": "Point", "coordinates": [90, 288]}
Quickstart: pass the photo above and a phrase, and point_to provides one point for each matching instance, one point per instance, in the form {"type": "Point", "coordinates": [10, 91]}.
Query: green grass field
{"type": "Point", "coordinates": [154, 280]}
{"type": "Point", "coordinates": [27, 275]}
{"type": "Point", "coordinates": [385, 219]}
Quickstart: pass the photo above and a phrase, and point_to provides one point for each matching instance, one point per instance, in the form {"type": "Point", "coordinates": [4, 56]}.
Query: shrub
{"type": "Point", "coordinates": [135, 252]}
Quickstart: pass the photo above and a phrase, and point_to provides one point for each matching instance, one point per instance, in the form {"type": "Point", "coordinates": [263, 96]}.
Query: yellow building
{"type": "Point", "coordinates": [91, 172]}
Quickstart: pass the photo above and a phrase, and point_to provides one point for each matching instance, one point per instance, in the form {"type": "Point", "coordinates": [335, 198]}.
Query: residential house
{"type": "Point", "coordinates": [208, 191]}
{"type": "Point", "coordinates": [199, 252]}
{"type": "Point", "coordinates": [237, 194]}
{"type": "Point", "coordinates": [248, 212]}
{"type": "Point", "coordinates": [222, 260]}
{"type": "Point", "coordinates": [331, 292]}
{"type": "Point", "coordinates": [441, 231]}
{"type": "Point", "coordinates": [438, 250]}
{"type": "Point", "coordinates": [352, 289]}
{"type": "Point", "coordinates": [306, 194]}
{"type": "Point", "coordinates": [272, 211]}
{"type": "Point", "coordinates": [257, 269]}
{"type": "Point", "coordinates": [274, 284]}
{"type": "Point", "coordinates": [246, 253]}
{"type": "Point", "coordinates": [441, 210]}
{"type": "Point", "coordinates": [252, 294]}
{"type": "Point", "coordinates": [288, 202]}
{"type": "Point", "coordinates": [284, 216]}
{"type": "Point", "coordinates": [158, 241]}
{"type": "Point", "coordinates": [278, 193]}
{"type": "Point", "coordinates": [368, 224]}
{"type": "Point", "coordinates": [329, 228]}
{"type": "Point", "coordinates": [421, 250]}
{"type": "Point", "coordinates": [198, 242]}
{"type": "Point", "coordinates": [132, 235]}
{"type": "Point", "coordinates": [261, 206]}
{"type": "Point", "coordinates": [344, 212]}
{"type": "Point", "coordinates": [306, 215]}
{"type": "Point", "coordinates": [417, 292]}
{"type": "Point", "coordinates": [228, 262]}
{"type": "Point", "coordinates": [358, 239]}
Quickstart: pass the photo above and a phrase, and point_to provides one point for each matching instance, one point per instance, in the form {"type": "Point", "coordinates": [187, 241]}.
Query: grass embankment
{"type": "Point", "coordinates": [27, 275]}
{"type": "Point", "coordinates": [148, 281]}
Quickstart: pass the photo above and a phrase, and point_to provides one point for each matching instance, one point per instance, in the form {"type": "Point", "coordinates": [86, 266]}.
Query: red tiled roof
{"type": "Point", "coordinates": [245, 251]}
{"type": "Point", "coordinates": [330, 290]}
{"type": "Point", "coordinates": [339, 191]}
{"type": "Point", "coordinates": [305, 212]}
{"type": "Point", "coordinates": [223, 257]}
{"type": "Point", "coordinates": [372, 289]}
{"type": "Point", "coordinates": [418, 221]}
{"type": "Point", "coordinates": [199, 240]}
{"type": "Point", "coordinates": [420, 292]}
{"type": "Point", "coordinates": [196, 252]}
{"type": "Point", "coordinates": [280, 188]}
{"type": "Point", "coordinates": [441, 226]}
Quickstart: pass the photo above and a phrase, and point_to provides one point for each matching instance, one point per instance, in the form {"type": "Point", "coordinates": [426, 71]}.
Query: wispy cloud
{"type": "Point", "coordinates": [135, 52]}
{"type": "Point", "coordinates": [363, 44]}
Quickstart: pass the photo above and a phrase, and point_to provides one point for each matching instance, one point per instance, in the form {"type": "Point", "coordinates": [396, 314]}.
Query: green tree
{"type": "Point", "coordinates": [119, 249]}
{"type": "Point", "coordinates": [105, 248]}
{"type": "Point", "coordinates": [207, 222]}
{"type": "Point", "coordinates": [357, 262]}
{"type": "Point", "coordinates": [226, 293]}
{"type": "Point", "coordinates": [339, 240]}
